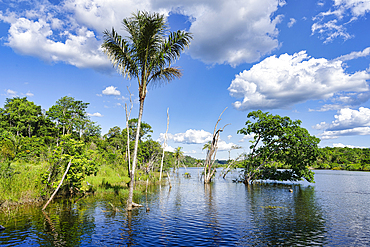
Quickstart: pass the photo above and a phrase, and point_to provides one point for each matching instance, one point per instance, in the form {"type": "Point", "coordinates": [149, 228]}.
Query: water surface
{"type": "Point", "coordinates": [332, 212]}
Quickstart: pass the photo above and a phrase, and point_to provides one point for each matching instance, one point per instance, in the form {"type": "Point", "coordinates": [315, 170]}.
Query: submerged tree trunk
{"type": "Point", "coordinates": [209, 170]}
{"type": "Point", "coordinates": [134, 161]}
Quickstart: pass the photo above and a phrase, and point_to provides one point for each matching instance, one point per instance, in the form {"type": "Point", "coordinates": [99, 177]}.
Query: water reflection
{"type": "Point", "coordinates": [281, 217]}
{"type": "Point", "coordinates": [211, 213]}
{"type": "Point", "coordinates": [61, 225]}
{"type": "Point", "coordinates": [193, 214]}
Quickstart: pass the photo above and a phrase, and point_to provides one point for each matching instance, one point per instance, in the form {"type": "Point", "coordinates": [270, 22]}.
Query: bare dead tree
{"type": "Point", "coordinates": [164, 146]}
{"type": "Point", "coordinates": [209, 170]}
{"type": "Point", "coordinates": [226, 170]}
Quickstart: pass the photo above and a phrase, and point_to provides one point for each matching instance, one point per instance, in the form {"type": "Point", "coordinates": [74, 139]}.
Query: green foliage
{"type": "Point", "coordinates": [278, 140]}
{"type": "Point", "coordinates": [20, 116]}
{"type": "Point", "coordinates": [69, 150]}
{"type": "Point", "coordinates": [6, 171]}
{"type": "Point", "coordinates": [337, 158]}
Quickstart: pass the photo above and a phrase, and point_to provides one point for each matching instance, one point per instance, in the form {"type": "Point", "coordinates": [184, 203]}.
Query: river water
{"type": "Point", "coordinates": [334, 211]}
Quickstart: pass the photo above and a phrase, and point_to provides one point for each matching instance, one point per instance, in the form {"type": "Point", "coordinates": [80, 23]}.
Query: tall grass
{"type": "Point", "coordinates": [23, 184]}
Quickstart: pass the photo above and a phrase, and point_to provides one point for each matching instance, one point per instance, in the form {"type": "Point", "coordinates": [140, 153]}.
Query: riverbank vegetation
{"type": "Point", "coordinates": [36, 146]}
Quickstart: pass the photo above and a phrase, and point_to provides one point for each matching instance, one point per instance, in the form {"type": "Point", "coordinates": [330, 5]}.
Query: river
{"type": "Point", "coordinates": [334, 211]}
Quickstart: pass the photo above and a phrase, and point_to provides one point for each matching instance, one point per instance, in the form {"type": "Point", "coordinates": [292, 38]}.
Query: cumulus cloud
{"type": "Point", "coordinates": [78, 47]}
{"type": "Point", "coordinates": [232, 32]}
{"type": "Point", "coordinates": [331, 24]}
{"type": "Point", "coordinates": [247, 137]}
{"type": "Point", "coordinates": [291, 22]}
{"type": "Point", "coordinates": [111, 91]}
{"type": "Point", "coordinates": [280, 82]}
{"type": "Point", "coordinates": [224, 146]}
{"type": "Point", "coordinates": [189, 137]}
{"type": "Point", "coordinates": [169, 149]}
{"type": "Point", "coordinates": [70, 32]}
{"type": "Point", "coordinates": [11, 93]}
{"type": "Point", "coordinates": [96, 114]}
{"type": "Point", "coordinates": [29, 94]}
{"type": "Point", "coordinates": [347, 122]}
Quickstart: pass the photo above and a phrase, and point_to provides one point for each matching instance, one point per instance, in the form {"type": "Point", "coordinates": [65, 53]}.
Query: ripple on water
{"type": "Point", "coordinates": [334, 211]}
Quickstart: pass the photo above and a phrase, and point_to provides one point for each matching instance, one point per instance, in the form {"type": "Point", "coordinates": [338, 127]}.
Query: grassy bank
{"type": "Point", "coordinates": [22, 183]}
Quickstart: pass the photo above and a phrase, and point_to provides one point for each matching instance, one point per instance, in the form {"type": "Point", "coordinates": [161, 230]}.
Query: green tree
{"type": "Point", "coordinates": [68, 114]}
{"type": "Point", "coordinates": [145, 129]}
{"type": "Point", "coordinates": [82, 165]}
{"type": "Point", "coordinates": [278, 140]}
{"type": "Point", "coordinates": [20, 116]}
{"type": "Point", "coordinates": [179, 156]}
{"type": "Point", "coordinates": [147, 54]}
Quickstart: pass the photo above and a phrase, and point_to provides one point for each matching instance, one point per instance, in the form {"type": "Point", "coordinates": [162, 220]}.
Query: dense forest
{"type": "Point", "coordinates": [30, 134]}
{"type": "Point", "coordinates": [37, 145]}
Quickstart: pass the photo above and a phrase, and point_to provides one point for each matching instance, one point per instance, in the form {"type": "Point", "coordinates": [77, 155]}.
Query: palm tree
{"type": "Point", "coordinates": [179, 155]}
{"type": "Point", "coordinates": [146, 54]}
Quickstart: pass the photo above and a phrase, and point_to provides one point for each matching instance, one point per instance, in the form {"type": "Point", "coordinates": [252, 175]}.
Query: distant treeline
{"type": "Point", "coordinates": [353, 159]}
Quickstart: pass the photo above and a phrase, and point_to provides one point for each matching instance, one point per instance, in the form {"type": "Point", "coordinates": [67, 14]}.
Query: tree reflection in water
{"type": "Point", "coordinates": [281, 217]}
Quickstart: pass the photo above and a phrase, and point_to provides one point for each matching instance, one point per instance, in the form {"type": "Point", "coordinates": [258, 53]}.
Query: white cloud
{"type": "Point", "coordinates": [280, 82]}
{"type": "Point", "coordinates": [96, 114]}
{"type": "Point", "coordinates": [327, 107]}
{"type": "Point", "coordinates": [247, 137]}
{"type": "Point", "coordinates": [340, 145]}
{"type": "Point", "coordinates": [331, 24]}
{"type": "Point", "coordinates": [189, 137]}
{"type": "Point", "coordinates": [355, 54]}
{"type": "Point", "coordinates": [224, 146]}
{"type": "Point", "coordinates": [347, 122]}
{"type": "Point", "coordinates": [169, 149]}
{"type": "Point", "coordinates": [29, 94]}
{"type": "Point", "coordinates": [99, 95]}
{"type": "Point", "coordinates": [320, 126]}
{"type": "Point", "coordinates": [79, 47]}
{"type": "Point", "coordinates": [11, 93]}
{"type": "Point", "coordinates": [346, 132]}
{"type": "Point", "coordinates": [111, 91]}
{"type": "Point", "coordinates": [291, 22]}
{"type": "Point", "coordinates": [229, 137]}
{"type": "Point", "coordinates": [230, 32]}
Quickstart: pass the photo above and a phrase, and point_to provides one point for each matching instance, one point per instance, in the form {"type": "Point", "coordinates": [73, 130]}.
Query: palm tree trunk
{"type": "Point", "coordinates": [134, 160]}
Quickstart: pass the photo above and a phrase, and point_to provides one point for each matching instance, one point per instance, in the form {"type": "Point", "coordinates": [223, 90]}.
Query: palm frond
{"type": "Point", "coordinates": [164, 76]}
{"type": "Point", "coordinates": [119, 53]}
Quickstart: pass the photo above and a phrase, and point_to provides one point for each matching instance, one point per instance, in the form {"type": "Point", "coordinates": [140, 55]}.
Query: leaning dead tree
{"type": "Point", "coordinates": [60, 184]}
{"type": "Point", "coordinates": [209, 170]}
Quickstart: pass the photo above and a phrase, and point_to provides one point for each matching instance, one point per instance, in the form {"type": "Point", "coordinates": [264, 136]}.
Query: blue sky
{"type": "Point", "coordinates": [308, 60]}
